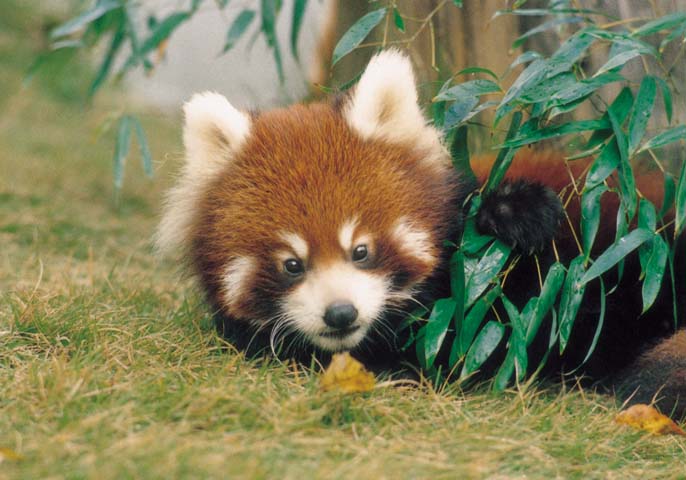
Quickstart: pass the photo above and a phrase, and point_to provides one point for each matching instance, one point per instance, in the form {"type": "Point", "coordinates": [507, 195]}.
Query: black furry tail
{"type": "Point", "coordinates": [525, 215]}
{"type": "Point", "coordinates": [658, 377]}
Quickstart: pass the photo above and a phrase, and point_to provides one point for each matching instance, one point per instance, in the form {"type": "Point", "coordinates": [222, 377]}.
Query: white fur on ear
{"type": "Point", "coordinates": [384, 106]}
{"type": "Point", "coordinates": [213, 132]}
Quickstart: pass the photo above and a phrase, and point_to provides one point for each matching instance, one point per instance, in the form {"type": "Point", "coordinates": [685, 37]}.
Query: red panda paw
{"type": "Point", "coordinates": [525, 215]}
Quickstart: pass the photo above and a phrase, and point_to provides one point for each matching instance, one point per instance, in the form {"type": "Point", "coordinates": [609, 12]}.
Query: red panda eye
{"type": "Point", "coordinates": [293, 267]}
{"type": "Point", "coordinates": [360, 253]}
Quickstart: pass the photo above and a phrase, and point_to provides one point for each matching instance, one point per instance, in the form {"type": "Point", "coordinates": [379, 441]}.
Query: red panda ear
{"type": "Point", "coordinates": [384, 106]}
{"type": "Point", "coordinates": [213, 132]}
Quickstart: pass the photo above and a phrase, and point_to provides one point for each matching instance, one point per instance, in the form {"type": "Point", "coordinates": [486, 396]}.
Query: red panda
{"type": "Point", "coordinates": [316, 228]}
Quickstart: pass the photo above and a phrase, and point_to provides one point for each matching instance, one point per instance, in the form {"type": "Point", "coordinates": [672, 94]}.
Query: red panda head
{"type": "Point", "coordinates": [317, 220]}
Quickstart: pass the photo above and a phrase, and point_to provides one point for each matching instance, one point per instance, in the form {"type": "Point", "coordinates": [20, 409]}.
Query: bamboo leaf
{"type": "Point", "coordinates": [398, 20]}
{"type": "Point", "coordinates": [115, 44]}
{"type": "Point", "coordinates": [355, 34]}
{"type": "Point", "coordinates": [458, 111]}
{"type": "Point", "coordinates": [570, 301]}
{"type": "Point", "coordinates": [617, 252]}
{"type": "Point", "coordinates": [505, 156]}
{"type": "Point", "coordinates": [237, 29]}
{"type": "Point", "coordinates": [541, 306]}
{"type": "Point", "coordinates": [668, 136]}
{"type": "Point", "coordinates": [471, 70]}
{"type": "Point", "coordinates": [486, 342]}
{"type": "Point", "coordinates": [471, 324]}
{"type": "Point", "coordinates": [269, 10]}
{"type": "Point", "coordinates": [473, 88]}
{"type": "Point", "coordinates": [590, 217]}
{"type": "Point", "coordinates": [667, 98]}
{"type": "Point", "coordinates": [77, 23]}
{"type": "Point", "coordinates": [680, 216]}
{"type": "Point", "coordinates": [437, 327]}
{"type": "Point", "coordinates": [545, 27]}
{"type": "Point", "coordinates": [299, 7]}
{"type": "Point", "coordinates": [603, 166]}
{"type": "Point", "coordinates": [121, 150]}
{"type": "Point", "coordinates": [654, 271]}
{"type": "Point", "coordinates": [485, 270]}
{"type": "Point", "coordinates": [143, 145]}
{"type": "Point", "coordinates": [642, 110]}
{"type": "Point", "coordinates": [664, 23]}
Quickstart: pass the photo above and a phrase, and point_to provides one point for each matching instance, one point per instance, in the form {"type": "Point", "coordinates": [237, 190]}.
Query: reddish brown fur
{"type": "Point", "coordinates": [303, 170]}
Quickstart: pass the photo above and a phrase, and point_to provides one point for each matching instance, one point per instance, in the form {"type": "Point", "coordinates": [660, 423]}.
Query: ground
{"type": "Point", "coordinates": [110, 368]}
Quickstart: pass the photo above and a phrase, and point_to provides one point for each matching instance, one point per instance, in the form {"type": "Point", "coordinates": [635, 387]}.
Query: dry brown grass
{"type": "Point", "coordinates": [109, 367]}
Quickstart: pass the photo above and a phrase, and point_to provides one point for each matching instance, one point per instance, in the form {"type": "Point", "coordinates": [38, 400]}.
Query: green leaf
{"type": "Point", "coordinates": [673, 35]}
{"type": "Point", "coordinates": [457, 3]}
{"type": "Point", "coordinates": [547, 88]}
{"type": "Point", "coordinates": [505, 156]}
{"type": "Point", "coordinates": [582, 89]}
{"type": "Point", "coordinates": [237, 29]}
{"type": "Point", "coordinates": [121, 150]}
{"type": "Point", "coordinates": [590, 217]}
{"type": "Point", "coordinates": [618, 60]}
{"type": "Point", "coordinates": [471, 70]}
{"type": "Point", "coordinates": [115, 44]}
{"type": "Point", "coordinates": [540, 307]}
{"type": "Point", "coordinates": [663, 23]}
{"type": "Point", "coordinates": [627, 183]}
{"type": "Point", "coordinates": [458, 111]}
{"type": "Point", "coordinates": [545, 27]}
{"type": "Point", "coordinates": [143, 145]}
{"type": "Point", "coordinates": [620, 249]}
{"type": "Point", "coordinates": [642, 110]}
{"type": "Point", "coordinates": [570, 301]}
{"type": "Point", "coordinates": [79, 22]}
{"type": "Point", "coordinates": [355, 34]}
{"type": "Point", "coordinates": [668, 136]}
{"type": "Point", "coordinates": [667, 97]}
{"type": "Point", "coordinates": [437, 327]}
{"type": "Point", "coordinates": [654, 271]}
{"type": "Point", "coordinates": [459, 151]}
{"type": "Point", "coordinates": [557, 131]}
{"type": "Point", "coordinates": [486, 342]}
{"type": "Point", "coordinates": [525, 57]}
{"type": "Point", "coordinates": [603, 166]}
{"type": "Point", "coordinates": [473, 88]}
{"type": "Point", "coordinates": [270, 9]}
{"type": "Point", "coordinates": [398, 20]}
{"type": "Point", "coordinates": [680, 217]}
{"type": "Point", "coordinates": [299, 7]}
{"type": "Point", "coordinates": [488, 266]}
{"type": "Point", "coordinates": [162, 31]}
{"type": "Point", "coordinates": [669, 195]}
{"type": "Point", "coordinates": [599, 327]}
{"type": "Point", "coordinates": [516, 359]}
{"type": "Point", "coordinates": [471, 324]}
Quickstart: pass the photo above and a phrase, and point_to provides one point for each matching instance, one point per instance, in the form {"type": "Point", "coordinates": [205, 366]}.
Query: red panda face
{"type": "Point", "coordinates": [314, 222]}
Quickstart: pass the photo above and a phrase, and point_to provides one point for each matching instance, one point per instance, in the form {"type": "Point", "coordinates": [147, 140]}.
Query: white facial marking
{"type": "Point", "coordinates": [345, 234]}
{"type": "Point", "coordinates": [306, 305]}
{"type": "Point", "coordinates": [297, 243]}
{"type": "Point", "coordinates": [236, 274]}
{"type": "Point", "coordinates": [214, 131]}
{"type": "Point", "coordinates": [413, 241]}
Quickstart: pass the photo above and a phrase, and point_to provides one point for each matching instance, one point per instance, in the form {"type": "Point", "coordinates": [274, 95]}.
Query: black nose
{"type": "Point", "coordinates": [340, 315]}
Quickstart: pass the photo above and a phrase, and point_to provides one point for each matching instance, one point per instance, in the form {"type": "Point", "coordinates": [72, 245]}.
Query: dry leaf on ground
{"type": "Point", "coordinates": [645, 417]}
{"type": "Point", "coordinates": [346, 374]}
{"type": "Point", "coordinates": [9, 455]}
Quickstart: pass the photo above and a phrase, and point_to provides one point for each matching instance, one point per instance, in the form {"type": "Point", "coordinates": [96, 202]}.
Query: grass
{"type": "Point", "coordinates": [109, 367]}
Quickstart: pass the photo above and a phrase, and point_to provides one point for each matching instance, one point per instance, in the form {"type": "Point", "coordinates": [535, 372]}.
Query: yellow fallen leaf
{"type": "Point", "coordinates": [346, 374]}
{"type": "Point", "coordinates": [645, 417]}
{"type": "Point", "coordinates": [9, 455]}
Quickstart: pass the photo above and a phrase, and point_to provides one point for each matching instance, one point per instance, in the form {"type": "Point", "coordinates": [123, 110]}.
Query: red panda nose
{"type": "Point", "coordinates": [340, 315]}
